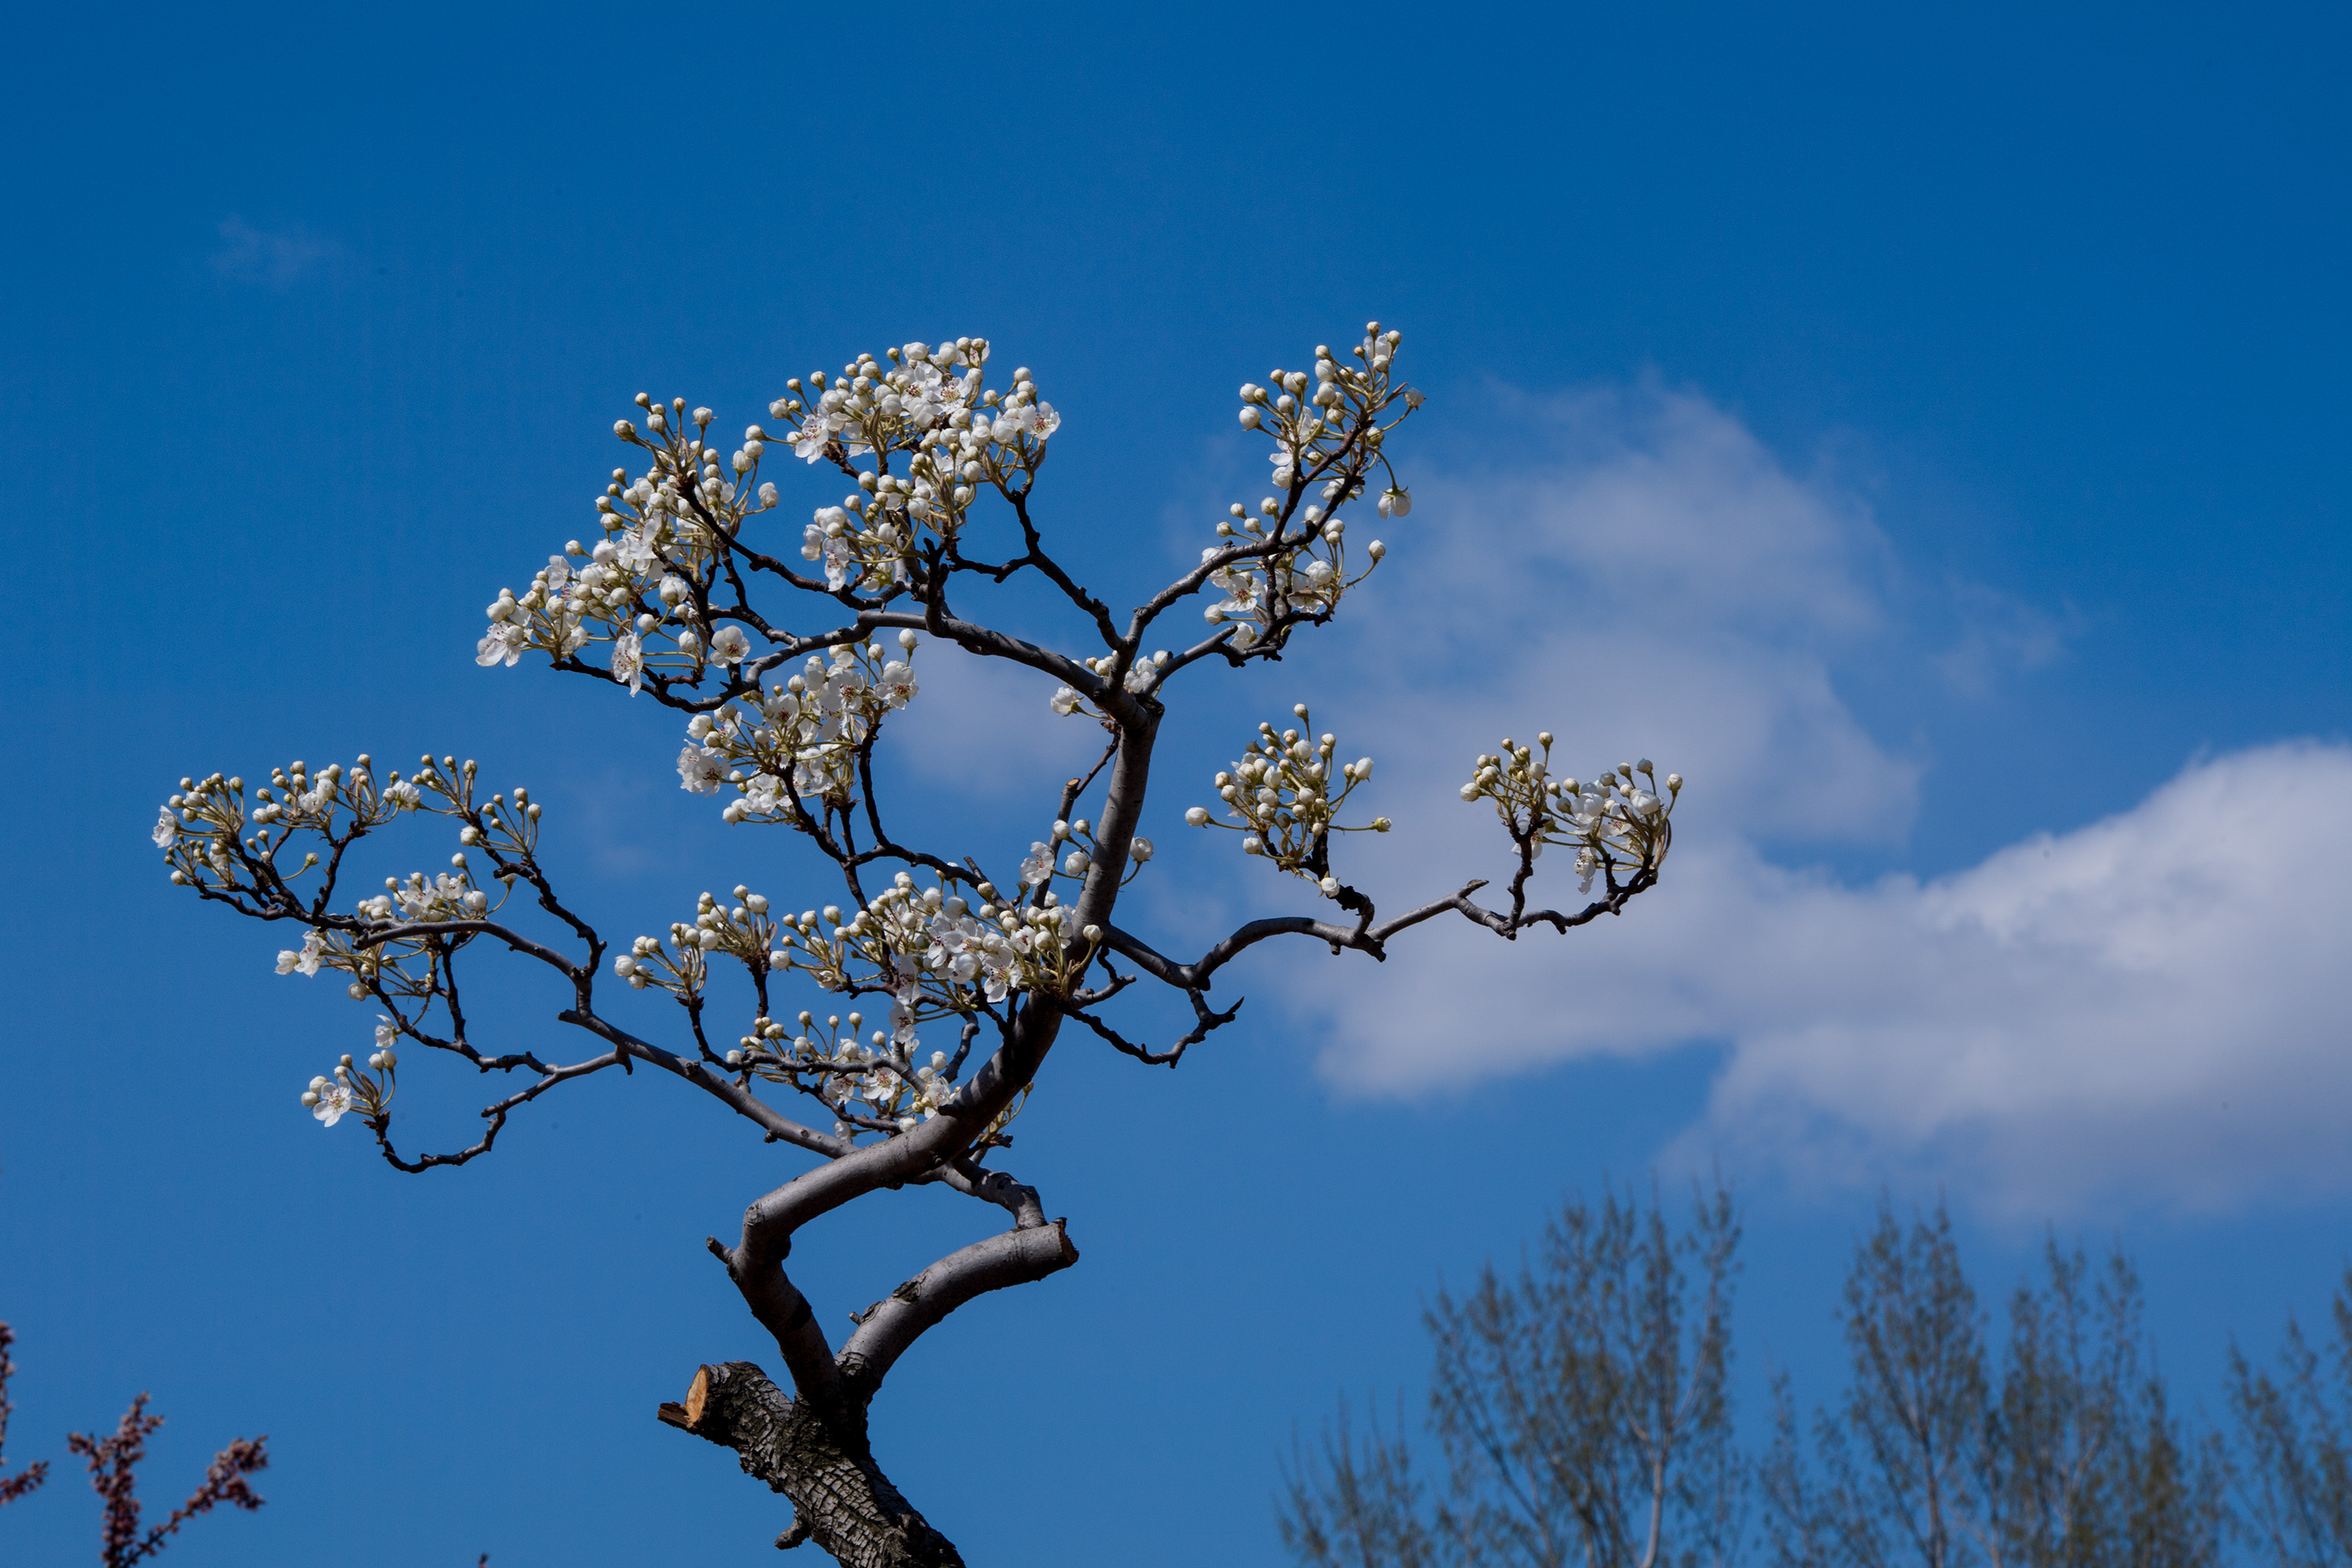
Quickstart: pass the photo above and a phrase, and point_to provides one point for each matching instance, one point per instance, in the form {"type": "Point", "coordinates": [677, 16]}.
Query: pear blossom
{"type": "Point", "coordinates": [729, 645]}
{"type": "Point", "coordinates": [502, 644]}
{"type": "Point", "coordinates": [628, 664]}
{"type": "Point", "coordinates": [329, 1099]}
{"type": "Point", "coordinates": [817, 432]}
{"type": "Point", "coordinates": [167, 828]}
{"type": "Point", "coordinates": [303, 960]}
{"type": "Point", "coordinates": [699, 769]}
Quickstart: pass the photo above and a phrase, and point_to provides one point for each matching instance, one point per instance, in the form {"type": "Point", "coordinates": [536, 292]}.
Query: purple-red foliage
{"type": "Point", "coordinates": [113, 1459]}
{"type": "Point", "coordinates": [112, 1463]}
{"type": "Point", "coordinates": [32, 1476]}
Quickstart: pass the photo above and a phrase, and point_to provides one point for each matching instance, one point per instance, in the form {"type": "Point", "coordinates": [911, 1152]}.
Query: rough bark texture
{"type": "Point", "coordinates": [814, 1448]}
{"type": "Point", "coordinates": [840, 1498]}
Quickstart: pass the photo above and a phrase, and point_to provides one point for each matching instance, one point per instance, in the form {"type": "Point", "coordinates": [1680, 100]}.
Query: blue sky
{"type": "Point", "coordinates": [1923, 430]}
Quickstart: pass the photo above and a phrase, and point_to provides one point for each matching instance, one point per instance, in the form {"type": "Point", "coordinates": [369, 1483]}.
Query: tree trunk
{"type": "Point", "coordinates": [841, 1500]}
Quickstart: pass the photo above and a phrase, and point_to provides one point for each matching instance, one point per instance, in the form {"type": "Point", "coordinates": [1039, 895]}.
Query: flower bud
{"type": "Point", "coordinates": [1376, 550]}
{"type": "Point", "coordinates": [1092, 934]}
{"type": "Point", "coordinates": [1197, 817]}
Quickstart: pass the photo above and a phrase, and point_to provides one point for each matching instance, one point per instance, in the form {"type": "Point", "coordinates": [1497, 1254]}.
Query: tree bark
{"type": "Point", "coordinates": [840, 1498]}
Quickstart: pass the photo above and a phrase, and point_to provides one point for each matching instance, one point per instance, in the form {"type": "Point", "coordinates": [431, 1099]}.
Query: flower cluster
{"type": "Point", "coordinates": [962, 438]}
{"type": "Point", "coordinates": [1614, 821]}
{"type": "Point", "coordinates": [349, 1089]}
{"type": "Point", "coordinates": [1041, 867]}
{"type": "Point", "coordinates": [1314, 432]}
{"type": "Point", "coordinates": [1305, 579]}
{"type": "Point", "coordinates": [806, 736]}
{"type": "Point", "coordinates": [215, 842]}
{"type": "Point", "coordinates": [872, 1085]}
{"type": "Point", "coordinates": [931, 951]}
{"type": "Point", "coordinates": [1270, 572]}
{"type": "Point", "coordinates": [646, 586]}
{"type": "Point", "coordinates": [682, 965]}
{"type": "Point", "coordinates": [1285, 794]}
{"type": "Point", "coordinates": [1140, 678]}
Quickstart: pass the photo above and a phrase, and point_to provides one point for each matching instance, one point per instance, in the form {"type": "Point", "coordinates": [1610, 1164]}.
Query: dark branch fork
{"type": "Point", "coordinates": [810, 1443]}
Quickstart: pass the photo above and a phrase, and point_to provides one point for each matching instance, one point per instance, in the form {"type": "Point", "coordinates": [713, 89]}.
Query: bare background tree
{"type": "Point", "coordinates": [113, 1465]}
{"type": "Point", "coordinates": [785, 702]}
{"type": "Point", "coordinates": [2075, 1457]}
{"type": "Point", "coordinates": [2295, 1428]}
{"type": "Point", "coordinates": [1583, 1408]}
{"type": "Point", "coordinates": [1585, 1412]}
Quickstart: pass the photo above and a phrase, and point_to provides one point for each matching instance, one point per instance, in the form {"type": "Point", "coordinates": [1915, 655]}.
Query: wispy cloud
{"type": "Point", "coordinates": [275, 259]}
{"type": "Point", "coordinates": [2151, 1004]}
{"type": "Point", "coordinates": [2001, 634]}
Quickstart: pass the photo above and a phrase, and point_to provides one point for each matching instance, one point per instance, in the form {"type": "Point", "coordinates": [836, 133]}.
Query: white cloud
{"type": "Point", "coordinates": [982, 726]}
{"type": "Point", "coordinates": [2154, 1005]}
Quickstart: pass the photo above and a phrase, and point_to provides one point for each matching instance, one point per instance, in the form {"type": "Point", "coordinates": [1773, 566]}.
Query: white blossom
{"type": "Point", "coordinates": [303, 960]}
{"type": "Point", "coordinates": [700, 769]}
{"type": "Point", "coordinates": [328, 1098]}
{"type": "Point", "coordinates": [502, 644]}
{"type": "Point", "coordinates": [628, 662]}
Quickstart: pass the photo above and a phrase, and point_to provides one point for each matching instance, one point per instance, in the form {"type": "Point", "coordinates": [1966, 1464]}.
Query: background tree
{"type": "Point", "coordinates": [786, 701]}
{"type": "Point", "coordinates": [2074, 1459]}
{"type": "Point", "coordinates": [2295, 1428]}
{"type": "Point", "coordinates": [113, 1474]}
{"type": "Point", "coordinates": [1583, 1409]}
{"type": "Point", "coordinates": [28, 1479]}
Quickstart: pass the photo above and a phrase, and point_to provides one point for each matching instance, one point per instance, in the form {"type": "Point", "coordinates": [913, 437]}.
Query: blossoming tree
{"type": "Point", "coordinates": [677, 601]}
